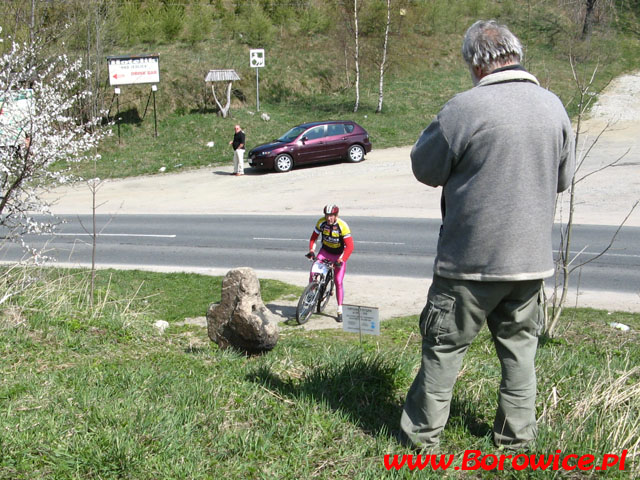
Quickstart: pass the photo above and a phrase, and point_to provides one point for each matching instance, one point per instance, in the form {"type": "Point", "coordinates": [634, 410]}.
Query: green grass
{"type": "Point", "coordinates": [173, 296]}
{"type": "Point", "coordinates": [99, 394]}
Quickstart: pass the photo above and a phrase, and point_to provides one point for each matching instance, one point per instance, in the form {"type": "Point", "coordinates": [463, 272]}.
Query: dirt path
{"type": "Point", "coordinates": [383, 185]}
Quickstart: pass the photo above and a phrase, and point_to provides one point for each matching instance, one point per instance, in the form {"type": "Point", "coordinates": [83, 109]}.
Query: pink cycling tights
{"type": "Point", "coordinates": [338, 272]}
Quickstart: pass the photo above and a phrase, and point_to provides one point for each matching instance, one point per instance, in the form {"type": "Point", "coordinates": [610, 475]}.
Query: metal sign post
{"type": "Point", "coordinates": [117, 94]}
{"type": "Point", "coordinates": [257, 89]}
{"type": "Point", "coordinates": [155, 118]}
{"type": "Point", "coordinates": [256, 60]}
{"type": "Point", "coordinates": [154, 88]}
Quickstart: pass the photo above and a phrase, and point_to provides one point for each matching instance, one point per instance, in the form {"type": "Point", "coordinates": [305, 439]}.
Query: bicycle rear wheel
{"type": "Point", "coordinates": [326, 291]}
{"type": "Point", "coordinates": [307, 302]}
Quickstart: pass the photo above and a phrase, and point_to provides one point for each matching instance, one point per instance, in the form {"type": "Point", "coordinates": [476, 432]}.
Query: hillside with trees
{"type": "Point", "coordinates": [388, 64]}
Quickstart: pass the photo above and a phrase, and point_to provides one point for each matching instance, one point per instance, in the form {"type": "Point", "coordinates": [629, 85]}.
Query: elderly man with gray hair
{"type": "Point", "coordinates": [501, 151]}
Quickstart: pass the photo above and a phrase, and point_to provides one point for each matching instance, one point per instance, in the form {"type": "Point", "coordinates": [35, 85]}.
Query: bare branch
{"type": "Point", "coordinates": [575, 257]}
{"type": "Point", "coordinates": [586, 154]}
{"type": "Point", "coordinates": [613, 239]}
{"type": "Point", "coordinates": [612, 164]}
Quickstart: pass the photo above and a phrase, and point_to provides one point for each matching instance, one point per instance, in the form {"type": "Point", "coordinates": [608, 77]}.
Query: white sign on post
{"type": "Point", "coordinates": [256, 60]}
{"type": "Point", "coordinates": [358, 319]}
{"type": "Point", "coordinates": [133, 69]}
{"type": "Point", "coordinates": [256, 57]}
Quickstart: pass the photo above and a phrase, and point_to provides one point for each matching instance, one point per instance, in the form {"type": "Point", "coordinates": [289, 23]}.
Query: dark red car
{"type": "Point", "coordinates": [311, 143]}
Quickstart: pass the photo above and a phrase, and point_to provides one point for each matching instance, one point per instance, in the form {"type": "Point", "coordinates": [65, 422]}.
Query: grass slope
{"type": "Point", "coordinates": [103, 395]}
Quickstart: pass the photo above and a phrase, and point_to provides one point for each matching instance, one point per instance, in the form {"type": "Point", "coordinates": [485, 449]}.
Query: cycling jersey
{"type": "Point", "coordinates": [334, 237]}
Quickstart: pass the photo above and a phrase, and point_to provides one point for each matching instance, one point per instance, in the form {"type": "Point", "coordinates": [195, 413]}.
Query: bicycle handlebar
{"type": "Point", "coordinates": [313, 257]}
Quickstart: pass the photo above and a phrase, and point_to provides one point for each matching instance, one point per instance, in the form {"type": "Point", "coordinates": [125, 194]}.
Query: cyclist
{"type": "Point", "coordinates": [337, 245]}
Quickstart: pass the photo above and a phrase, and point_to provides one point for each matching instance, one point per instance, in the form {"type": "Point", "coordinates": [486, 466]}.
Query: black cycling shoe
{"type": "Point", "coordinates": [339, 318]}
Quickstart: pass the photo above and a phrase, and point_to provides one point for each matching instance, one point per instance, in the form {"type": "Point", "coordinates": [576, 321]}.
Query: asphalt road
{"type": "Point", "coordinates": [402, 247]}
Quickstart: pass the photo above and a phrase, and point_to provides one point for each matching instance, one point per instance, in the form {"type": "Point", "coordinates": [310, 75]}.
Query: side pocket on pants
{"type": "Point", "coordinates": [433, 315]}
{"type": "Point", "coordinates": [542, 310]}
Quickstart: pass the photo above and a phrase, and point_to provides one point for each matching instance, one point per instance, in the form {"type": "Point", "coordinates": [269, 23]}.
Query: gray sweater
{"type": "Point", "coordinates": [501, 151]}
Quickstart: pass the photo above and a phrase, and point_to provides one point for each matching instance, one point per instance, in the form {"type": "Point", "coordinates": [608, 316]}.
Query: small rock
{"type": "Point", "coordinates": [265, 117]}
{"type": "Point", "coordinates": [620, 326]}
{"type": "Point", "coordinates": [210, 144]}
{"type": "Point", "coordinates": [162, 169]}
{"type": "Point", "coordinates": [161, 326]}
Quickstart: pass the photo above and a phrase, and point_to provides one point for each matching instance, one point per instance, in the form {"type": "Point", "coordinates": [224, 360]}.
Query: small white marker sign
{"type": "Point", "coordinates": [357, 319]}
{"type": "Point", "coordinates": [256, 57]}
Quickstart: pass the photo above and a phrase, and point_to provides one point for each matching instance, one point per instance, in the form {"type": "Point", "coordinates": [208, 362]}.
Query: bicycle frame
{"type": "Point", "coordinates": [320, 269]}
{"type": "Point", "coordinates": [317, 294]}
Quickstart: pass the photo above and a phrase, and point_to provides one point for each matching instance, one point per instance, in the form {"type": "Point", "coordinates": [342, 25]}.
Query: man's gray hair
{"type": "Point", "coordinates": [489, 45]}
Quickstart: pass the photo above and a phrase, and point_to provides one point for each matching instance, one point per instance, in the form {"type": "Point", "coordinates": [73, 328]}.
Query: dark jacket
{"type": "Point", "coordinates": [238, 139]}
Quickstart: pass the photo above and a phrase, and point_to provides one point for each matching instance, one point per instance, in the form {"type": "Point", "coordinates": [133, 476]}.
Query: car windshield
{"type": "Point", "coordinates": [291, 134]}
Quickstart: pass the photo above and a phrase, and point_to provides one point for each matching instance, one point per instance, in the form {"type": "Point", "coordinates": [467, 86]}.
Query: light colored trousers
{"type": "Point", "coordinates": [238, 160]}
{"type": "Point", "coordinates": [455, 312]}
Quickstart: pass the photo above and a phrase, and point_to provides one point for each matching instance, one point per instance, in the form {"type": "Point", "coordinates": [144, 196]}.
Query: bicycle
{"type": "Point", "coordinates": [316, 295]}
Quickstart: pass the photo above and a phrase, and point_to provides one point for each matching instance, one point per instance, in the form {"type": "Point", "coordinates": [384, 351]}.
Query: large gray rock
{"type": "Point", "coordinates": [241, 320]}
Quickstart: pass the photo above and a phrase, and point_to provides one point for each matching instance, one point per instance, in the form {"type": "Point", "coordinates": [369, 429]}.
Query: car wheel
{"type": "Point", "coordinates": [355, 153]}
{"type": "Point", "coordinates": [283, 163]}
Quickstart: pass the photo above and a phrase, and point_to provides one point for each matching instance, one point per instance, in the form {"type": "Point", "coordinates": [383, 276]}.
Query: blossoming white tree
{"type": "Point", "coordinates": [41, 132]}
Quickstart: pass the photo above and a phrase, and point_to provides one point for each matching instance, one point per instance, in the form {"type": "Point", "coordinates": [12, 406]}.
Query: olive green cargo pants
{"type": "Point", "coordinates": [455, 312]}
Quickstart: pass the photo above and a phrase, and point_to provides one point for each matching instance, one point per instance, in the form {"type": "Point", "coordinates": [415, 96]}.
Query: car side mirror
{"type": "Point", "coordinates": [304, 139]}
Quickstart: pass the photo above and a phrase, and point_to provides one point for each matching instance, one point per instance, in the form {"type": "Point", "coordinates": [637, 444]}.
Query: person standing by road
{"type": "Point", "coordinates": [337, 245]}
{"type": "Point", "coordinates": [501, 151]}
{"type": "Point", "coordinates": [238, 151]}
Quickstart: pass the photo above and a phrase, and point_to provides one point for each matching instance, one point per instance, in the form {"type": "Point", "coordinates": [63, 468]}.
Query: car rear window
{"type": "Point", "coordinates": [335, 129]}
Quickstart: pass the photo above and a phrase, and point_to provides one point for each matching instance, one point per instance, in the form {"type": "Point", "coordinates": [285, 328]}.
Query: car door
{"type": "Point", "coordinates": [336, 141]}
{"type": "Point", "coordinates": [312, 145]}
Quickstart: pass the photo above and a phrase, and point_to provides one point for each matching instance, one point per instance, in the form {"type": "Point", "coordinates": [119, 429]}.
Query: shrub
{"type": "Point", "coordinates": [129, 24]}
{"type": "Point", "coordinates": [198, 24]}
{"type": "Point", "coordinates": [314, 21]}
{"type": "Point", "coordinates": [172, 21]}
{"type": "Point", "coordinates": [257, 29]}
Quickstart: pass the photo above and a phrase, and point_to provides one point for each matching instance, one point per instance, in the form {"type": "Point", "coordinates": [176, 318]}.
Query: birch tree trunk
{"type": "Point", "coordinates": [384, 58]}
{"type": "Point", "coordinates": [223, 110]}
{"type": "Point", "coordinates": [32, 22]}
{"type": "Point", "coordinates": [356, 55]}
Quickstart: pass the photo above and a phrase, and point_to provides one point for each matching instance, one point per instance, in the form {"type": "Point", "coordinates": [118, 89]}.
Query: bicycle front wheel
{"type": "Point", "coordinates": [307, 302]}
{"type": "Point", "coordinates": [326, 290]}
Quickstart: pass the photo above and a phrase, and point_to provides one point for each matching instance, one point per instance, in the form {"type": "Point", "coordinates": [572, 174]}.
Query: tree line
{"type": "Point", "coordinates": [368, 39]}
